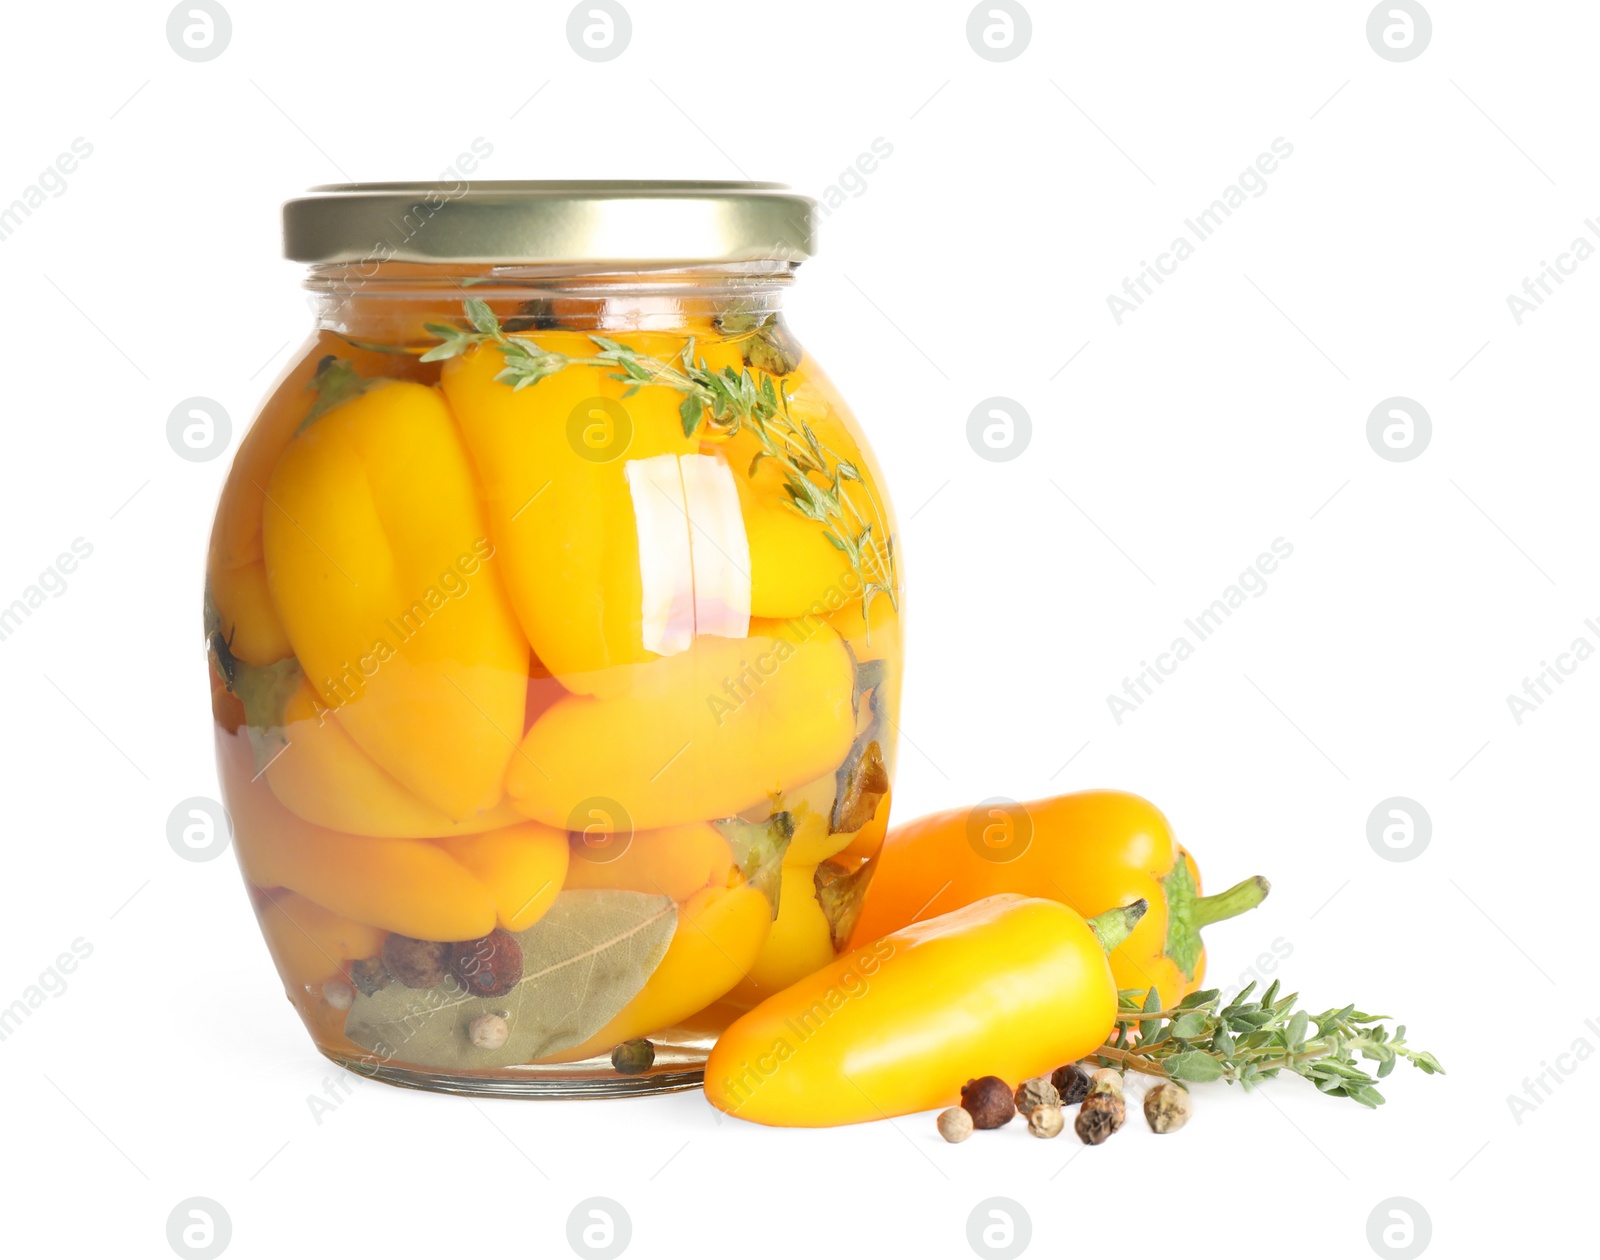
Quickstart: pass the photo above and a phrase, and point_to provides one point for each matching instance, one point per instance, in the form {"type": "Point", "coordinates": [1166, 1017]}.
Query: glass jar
{"type": "Point", "coordinates": [554, 617]}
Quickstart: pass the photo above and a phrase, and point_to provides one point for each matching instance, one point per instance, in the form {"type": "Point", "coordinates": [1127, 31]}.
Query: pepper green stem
{"type": "Point", "coordinates": [1247, 894]}
{"type": "Point", "coordinates": [758, 848]}
{"type": "Point", "coordinates": [841, 895]}
{"type": "Point", "coordinates": [1115, 926]}
{"type": "Point", "coordinates": [1188, 912]}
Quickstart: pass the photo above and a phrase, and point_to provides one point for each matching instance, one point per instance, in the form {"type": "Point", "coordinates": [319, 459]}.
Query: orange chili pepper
{"type": "Point", "coordinates": [1091, 850]}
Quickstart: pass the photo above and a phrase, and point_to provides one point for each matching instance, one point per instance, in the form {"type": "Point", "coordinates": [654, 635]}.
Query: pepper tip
{"type": "Point", "coordinates": [1115, 925]}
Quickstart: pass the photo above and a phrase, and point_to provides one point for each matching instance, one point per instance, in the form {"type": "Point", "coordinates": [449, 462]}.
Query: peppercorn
{"type": "Point", "coordinates": [989, 1101]}
{"type": "Point", "coordinates": [955, 1124]}
{"type": "Point", "coordinates": [1098, 1118]}
{"type": "Point", "coordinates": [1166, 1107]}
{"type": "Point", "coordinates": [338, 994]}
{"type": "Point", "coordinates": [1071, 1082]}
{"type": "Point", "coordinates": [488, 1031]}
{"type": "Point", "coordinates": [489, 966]}
{"type": "Point", "coordinates": [368, 975]}
{"type": "Point", "coordinates": [415, 964]}
{"type": "Point", "coordinates": [1038, 1092]}
{"type": "Point", "coordinates": [1106, 1081]}
{"type": "Point", "coordinates": [633, 1058]}
{"type": "Point", "coordinates": [1045, 1121]}
{"type": "Point", "coordinates": [1103, 1109]}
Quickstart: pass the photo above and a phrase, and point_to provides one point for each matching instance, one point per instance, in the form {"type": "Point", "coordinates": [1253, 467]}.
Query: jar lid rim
{"type": "Point", "coordinates": [630, 222]}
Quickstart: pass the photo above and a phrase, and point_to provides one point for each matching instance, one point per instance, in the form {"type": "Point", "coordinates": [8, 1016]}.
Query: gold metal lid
{"type": "Point", "coordinates": [634, 222]}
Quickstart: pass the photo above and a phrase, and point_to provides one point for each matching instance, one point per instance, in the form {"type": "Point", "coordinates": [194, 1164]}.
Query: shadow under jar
{"type": "Point", "coordinates": [554, 619]}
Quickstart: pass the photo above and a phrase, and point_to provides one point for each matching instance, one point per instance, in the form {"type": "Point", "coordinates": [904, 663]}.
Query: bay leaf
{"type": "Point", "coordinates": [581, 963]}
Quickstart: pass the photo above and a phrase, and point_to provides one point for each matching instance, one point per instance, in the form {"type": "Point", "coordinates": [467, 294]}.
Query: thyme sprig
{"type": "Point", "coordinates": [1247, 1042]}
{"type": "Point", "coordinates": [816, 480]}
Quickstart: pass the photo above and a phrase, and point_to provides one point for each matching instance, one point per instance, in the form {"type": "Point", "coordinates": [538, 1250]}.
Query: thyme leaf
{"type": "Point", "coordinates": [1247, 1042]}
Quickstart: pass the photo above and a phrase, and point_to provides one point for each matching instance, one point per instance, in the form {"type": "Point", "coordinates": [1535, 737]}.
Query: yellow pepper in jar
{"type": "Point", "coordinates": [310, 943]}
{"type": "Point", "coordinates": [703, 734]}
{"type": "Point", "coordinates": [673, 862]}
{"type": "Point", "coordinates": [800, 941]}
{"type": "Point", "coordinates": [377, 558]}
{"type": "Point", "coordinates": [325, 777]}
{"type": "Point", "coordinates": [236, 579]}
{"type": "Point", "coordinates": [554, 460]}
{"type": "Point", "coordinates": [447, 890]}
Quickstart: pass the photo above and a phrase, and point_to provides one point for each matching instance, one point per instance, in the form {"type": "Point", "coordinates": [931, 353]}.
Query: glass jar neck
{"type": "Point", "coordinates": [377, 300]}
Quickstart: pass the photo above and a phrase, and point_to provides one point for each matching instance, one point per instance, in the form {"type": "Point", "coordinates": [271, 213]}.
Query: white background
{"type": "Point", "coordinates": [1229, 411]}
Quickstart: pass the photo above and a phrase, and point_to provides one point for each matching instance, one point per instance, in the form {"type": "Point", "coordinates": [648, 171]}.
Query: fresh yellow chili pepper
{"type": "Point", "coordinates": [1008, 986]}
{"type": "Point", "coordinates": [1091, 850]}
{"type": "Point", "coordinates": [378, 562]}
